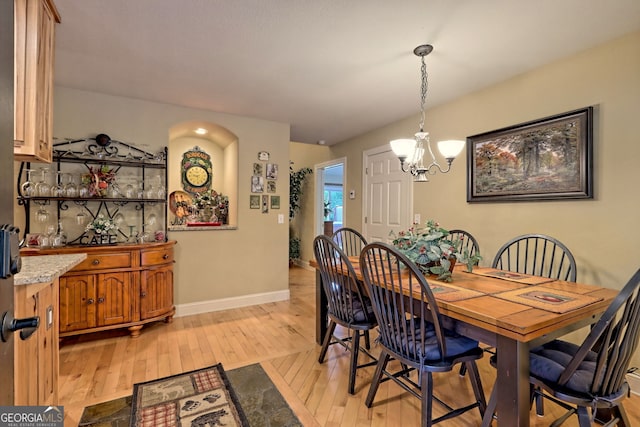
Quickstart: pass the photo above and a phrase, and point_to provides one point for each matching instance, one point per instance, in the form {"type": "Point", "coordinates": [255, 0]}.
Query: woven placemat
{"type": "Point", "coordinates": [526, 279]}
{"type": "Point", "coordinates": [548, 299]}
{"type": "Point", "coordinates": [451, 292]}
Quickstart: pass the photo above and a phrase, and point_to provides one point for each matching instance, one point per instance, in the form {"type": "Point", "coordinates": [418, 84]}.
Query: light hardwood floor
{"type": "Point", "coordinates": [281, 337]}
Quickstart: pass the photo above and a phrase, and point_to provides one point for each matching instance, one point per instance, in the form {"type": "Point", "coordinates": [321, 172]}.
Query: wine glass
{"type": "Point", "coordinates": [42, 187]}
{"type": "Point", "coordinates": [81, 218]}
{"type": "Point", "coordinates": [70, 186]}
{"type": "Point", "coordinates": [42, 215]}
{"type": "Point", "coordinates": [29, 186]}
{"type": "Point", "coordinates": [57, 190]}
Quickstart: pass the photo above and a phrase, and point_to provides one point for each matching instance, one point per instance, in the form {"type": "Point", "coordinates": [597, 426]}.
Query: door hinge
{"type": "Point", "coordinates": [365, 220]}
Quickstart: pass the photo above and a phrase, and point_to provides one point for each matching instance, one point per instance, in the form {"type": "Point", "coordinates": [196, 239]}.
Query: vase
{"type": "Point", "coordinates": [426, 268]}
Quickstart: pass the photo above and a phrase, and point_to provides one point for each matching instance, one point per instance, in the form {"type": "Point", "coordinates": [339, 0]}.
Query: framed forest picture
{"type": "Point", "coordinates": [545, 159]}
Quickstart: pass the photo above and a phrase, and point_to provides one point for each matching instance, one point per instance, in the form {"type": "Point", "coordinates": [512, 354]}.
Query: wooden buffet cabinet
{"type": "Point", "coordinates": [116, 286]}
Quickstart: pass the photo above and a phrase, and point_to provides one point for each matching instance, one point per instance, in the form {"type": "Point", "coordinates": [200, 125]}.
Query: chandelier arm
{"type": "Point", "coordinates": [431, 169]}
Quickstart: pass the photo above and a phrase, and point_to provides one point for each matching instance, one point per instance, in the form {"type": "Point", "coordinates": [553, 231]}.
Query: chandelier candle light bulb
{"type": "Point", "coordinates": [411, 152]}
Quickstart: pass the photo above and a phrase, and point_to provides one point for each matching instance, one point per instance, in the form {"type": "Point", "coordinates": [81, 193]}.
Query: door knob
{"type": "Point", "coordinates": [26, 326]}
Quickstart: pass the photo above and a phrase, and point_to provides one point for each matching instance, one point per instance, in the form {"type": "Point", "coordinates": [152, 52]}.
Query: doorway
{"type": "Point", "coordinates": [387, 195]}
{"type": "Point", "coordinates": [329, 198]}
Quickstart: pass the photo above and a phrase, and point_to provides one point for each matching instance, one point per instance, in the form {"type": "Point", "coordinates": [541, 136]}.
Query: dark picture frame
{"type": "Point", "coordinates": [545, 159]}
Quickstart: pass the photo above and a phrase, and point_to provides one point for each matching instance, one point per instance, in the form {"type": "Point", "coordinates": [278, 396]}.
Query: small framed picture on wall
{"type": "Point", "coordinates": [257, 169]}
{"type": "Point", "coordinates": [272, 171]}
{"type": "Point", "coordinates": [254, 202]}
{"type": "Point", "coordinates": [257, 184]}
{"type": "Point", "coordinates": [265, 204]}
{"type": "Point", "coordinates": [275, 202]}
{"type": "Point", "coordinates": [271, 186]}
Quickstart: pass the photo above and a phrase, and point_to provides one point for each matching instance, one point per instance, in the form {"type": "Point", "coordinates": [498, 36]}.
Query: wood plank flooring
{"type": "Point", "coordinates": [281, 337]}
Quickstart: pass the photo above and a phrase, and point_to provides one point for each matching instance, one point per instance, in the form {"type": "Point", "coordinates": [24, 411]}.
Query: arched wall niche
{"type": "Point", "coordinates": [221, 145]}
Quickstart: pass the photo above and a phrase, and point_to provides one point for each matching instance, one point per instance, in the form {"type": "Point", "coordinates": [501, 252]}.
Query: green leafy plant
{"type": "Point", "coordinates": [294, 248]}
{"type": "Point", "coordinates": [296, 183]}
{"type": "Point", "coordinates": [327, 210]}
{"type": "Point", "coordinates": [430, 248]}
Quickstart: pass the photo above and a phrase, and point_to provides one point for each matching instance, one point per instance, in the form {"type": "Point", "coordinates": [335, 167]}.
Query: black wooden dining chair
{"type": "Point", "coordinates": [410, 331]}
{"type": "Point", "coordinates": [538, 255]}
{"type": "Point", "coordinates": [590, 376]}
{"type": "Point", "coordinates": [348, 304]}
{"type": "Point", "coordinates": [349, 240]}
{"type": "Point", "coordinates": [464, 242]}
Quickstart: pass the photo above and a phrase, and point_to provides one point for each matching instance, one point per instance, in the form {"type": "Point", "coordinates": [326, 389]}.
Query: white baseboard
{"type": "Point", "coordinates": [229, 303]}
{"type": "Point", "coordinates": [634, 382]}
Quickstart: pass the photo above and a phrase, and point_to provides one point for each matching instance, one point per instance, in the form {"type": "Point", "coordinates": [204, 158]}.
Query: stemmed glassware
{"type": "Point", "coordinates": [42, 187]}
{"type": "Point", "coordinates": [29, 186]}
{"type": "Point", "coordinates": [57, 190]}
{"type": "Point", "coordinates": [70, 187]}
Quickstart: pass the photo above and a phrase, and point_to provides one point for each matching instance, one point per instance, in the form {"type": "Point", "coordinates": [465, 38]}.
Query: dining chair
{"type": "Point", "coordinates": [349, 240]}
{"type": "Point", "coordinates": [466, 241]}
{"type": "Point", "coordinates": [590, 375]}
{"type": "Point", "coordinates": [348, 304]}
{"type": "Point", "coordinates": [410, 331]}
{"type": "Point", "coordinates": [538, 255]}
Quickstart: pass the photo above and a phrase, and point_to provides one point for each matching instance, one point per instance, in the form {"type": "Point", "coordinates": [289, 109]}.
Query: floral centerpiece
{"type": "Point", "coordinates": [101, 225]}
{"type": "Point", "coordinates": [430, 248]}
{"type": "Point", "coordinates": [98, 180]}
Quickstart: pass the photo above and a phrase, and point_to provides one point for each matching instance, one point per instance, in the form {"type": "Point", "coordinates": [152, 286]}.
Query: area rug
{"type": "Point", "coordinates": [257, 397]}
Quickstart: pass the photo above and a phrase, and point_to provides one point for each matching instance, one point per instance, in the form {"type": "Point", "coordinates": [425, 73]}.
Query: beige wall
{"type": "Point", "coordinates": [306, 156]}
{"type": "Point", "coordinates": [602, 233]}
{"type": "Point", "coordinates": [210, 265]}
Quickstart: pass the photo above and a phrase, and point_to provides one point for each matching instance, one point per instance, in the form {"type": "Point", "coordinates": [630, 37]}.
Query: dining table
{"type": "Point", "coordinates": [509, 311]}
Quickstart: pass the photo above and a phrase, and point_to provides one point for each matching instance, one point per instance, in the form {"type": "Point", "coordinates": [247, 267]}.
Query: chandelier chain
{"type": "Point", "coordinates": [423, 91]}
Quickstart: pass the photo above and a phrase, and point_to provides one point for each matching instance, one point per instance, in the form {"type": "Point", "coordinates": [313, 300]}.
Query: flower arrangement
{"type": "Point", "coordinates": [98, 180]}
{"type": "Point", "coordinates": [100, 225]}
{"type": "Point", "coordinates": [430, 248]}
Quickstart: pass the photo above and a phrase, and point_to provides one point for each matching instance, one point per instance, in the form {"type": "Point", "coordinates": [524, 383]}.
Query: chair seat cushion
{"type": "Point", "coordinates": [548, 361]}
{"type": "Point", "coordinates": [429, 351]}
{"type": "Point", "coordinates": [363, 314]}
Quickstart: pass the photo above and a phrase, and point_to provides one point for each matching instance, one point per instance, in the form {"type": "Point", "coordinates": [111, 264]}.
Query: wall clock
{"type": "Point", "coordinates": [196, 171]}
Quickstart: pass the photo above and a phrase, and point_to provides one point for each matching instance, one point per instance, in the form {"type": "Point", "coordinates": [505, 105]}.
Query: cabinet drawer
{"type": "Point", "coordinates": [104, 261]}
{"type": "Point", "coordinates": [155, 257]}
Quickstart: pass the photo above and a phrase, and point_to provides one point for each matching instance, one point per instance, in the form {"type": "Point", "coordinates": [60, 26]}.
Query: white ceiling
{"type": "Point", "coordinates": [333, 69]}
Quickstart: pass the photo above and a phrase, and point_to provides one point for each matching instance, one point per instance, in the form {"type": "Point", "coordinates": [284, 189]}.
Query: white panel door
{"type": "Point", "coordinates": [388, 198]}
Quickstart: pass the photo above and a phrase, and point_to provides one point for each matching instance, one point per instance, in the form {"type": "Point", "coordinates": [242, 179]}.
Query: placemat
{"type": "Point", "coordinates": [451, 293]}
{"type": "Point", "coordinates": [548, 299]}
{"type": "Point", "coordinates": [526, 279]}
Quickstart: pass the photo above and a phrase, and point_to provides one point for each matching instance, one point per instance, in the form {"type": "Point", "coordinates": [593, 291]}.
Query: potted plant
{"type": "Point", "coordinates": [432, 249]}
{"type": "Point", "coordinates": [296, 182]}
{"type": "Point", "coordinates": [328, 222]}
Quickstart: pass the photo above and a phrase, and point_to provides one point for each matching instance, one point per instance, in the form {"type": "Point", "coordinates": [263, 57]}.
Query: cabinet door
{"type": "Point", "coordinates": [114, 298]}
{"type": "Point", "coordinates": [156, 292]}
{"type": "Point", "coordinates": [77, 302]}
{"type": "Point", "coordinates": [33, 94]}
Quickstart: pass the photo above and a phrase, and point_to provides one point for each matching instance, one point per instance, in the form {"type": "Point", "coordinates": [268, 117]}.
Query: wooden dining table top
{"type": "Point", "coordinates": [518, 306]}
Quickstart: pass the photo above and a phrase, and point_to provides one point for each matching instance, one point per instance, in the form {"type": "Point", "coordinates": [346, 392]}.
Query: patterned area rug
{"type": "Point", "coordinates": [257, 398]}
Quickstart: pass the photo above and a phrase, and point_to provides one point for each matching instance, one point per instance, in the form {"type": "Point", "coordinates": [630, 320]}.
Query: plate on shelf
{"type": "Point", "coordinates": [180, 202]}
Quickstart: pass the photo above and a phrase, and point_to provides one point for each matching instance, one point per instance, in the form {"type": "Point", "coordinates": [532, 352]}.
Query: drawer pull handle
{"type": "Point", "coordinates": [90, 301]}
{"type": "Point", "coordinates": [143, 294]}
{"type": "Point", "coordinates": [165, 256]}
{"type": "Point", "coordinates": [101, 300]}
{"type": "Point", "coordinates": [96, 262]}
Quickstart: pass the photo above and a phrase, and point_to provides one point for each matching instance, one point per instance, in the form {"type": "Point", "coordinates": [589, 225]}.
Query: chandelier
{"type": "Point", "coordinates": [411, 152]}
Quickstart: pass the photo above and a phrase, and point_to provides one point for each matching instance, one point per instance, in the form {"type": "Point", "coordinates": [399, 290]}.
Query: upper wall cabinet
{"type": "Point", "coordinates": [34, 23]}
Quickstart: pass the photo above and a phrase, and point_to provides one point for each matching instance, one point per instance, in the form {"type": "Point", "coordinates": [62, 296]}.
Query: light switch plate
{"type": "Point", "coordinates": [352, 194]}
{"type": "Point", "coordinates": [280, 218]}
{"type": "Point", "coordinates": [416, 218]}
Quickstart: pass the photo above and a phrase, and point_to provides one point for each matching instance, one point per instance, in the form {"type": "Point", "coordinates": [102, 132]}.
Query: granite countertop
{"type": "Point", "coordinates": [45, 268]}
